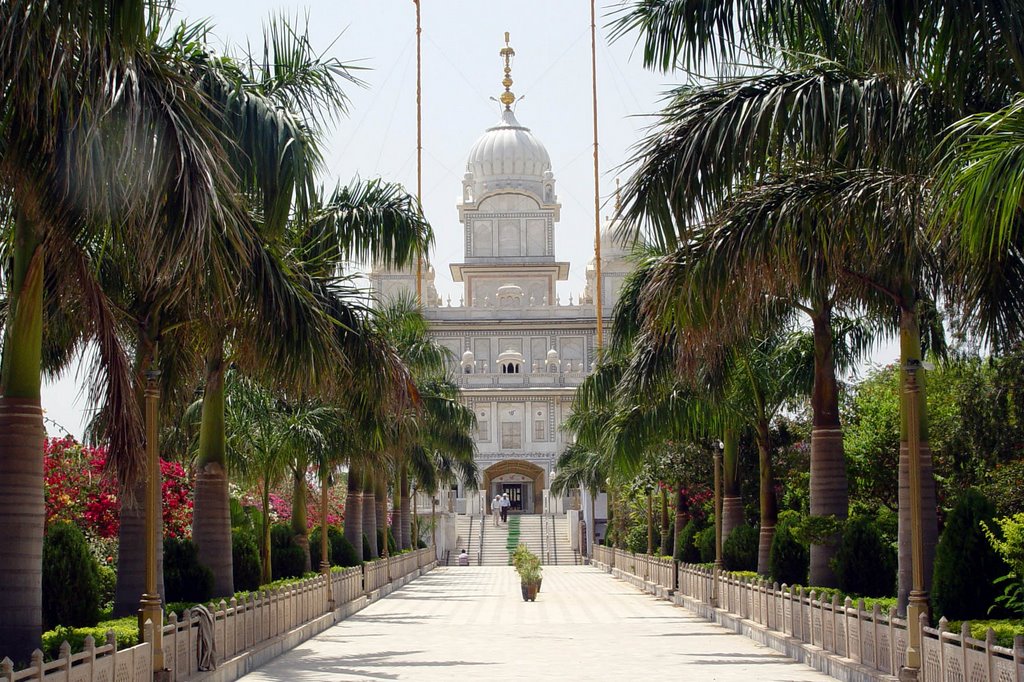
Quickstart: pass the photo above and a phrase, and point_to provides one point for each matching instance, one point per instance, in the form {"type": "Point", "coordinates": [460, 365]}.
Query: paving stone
{"type": "Point", "coordinates": [470, 623]}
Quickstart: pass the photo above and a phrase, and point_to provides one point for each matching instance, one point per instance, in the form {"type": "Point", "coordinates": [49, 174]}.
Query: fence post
{"type": "Point", "coordinates": [990, 641]}
{"type": "Point", "coordinates": [1018, 657]}
{"type": "Point", "coordinates": [893, 654]}
{"type": "Point", "coordinates": [965, 632]}
{"type": "Point", "coordinates": [7, 669]}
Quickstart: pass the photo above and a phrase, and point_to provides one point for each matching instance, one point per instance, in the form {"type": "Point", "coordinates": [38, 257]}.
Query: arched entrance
{"type": "Point", "coordinates": [523, 481]}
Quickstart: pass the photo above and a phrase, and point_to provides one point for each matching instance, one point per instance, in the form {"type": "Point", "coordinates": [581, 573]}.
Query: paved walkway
{"type": "Point", "coordinates": [470, 624]}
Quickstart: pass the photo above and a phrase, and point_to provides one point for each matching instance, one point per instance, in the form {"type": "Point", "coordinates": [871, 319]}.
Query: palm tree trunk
{"type": "Point", "coordinates": [910, 349]}
{"type": "Point", "coordinates": [666, 539]}
{"type": "Point", "coordinates": [592, 531]}
{"type": "Point", "coordinates": [268, 573]}
{"type": "Point", "coordinates": [354, 510]}
{"type": "Point", "coordinates": [22, 511]}
{"type": "Point", "coordinates": [131, 535]}
{"type": "Point", "coordinates": [768, 506]}
{"type": "Point", "coordinates": [211, 513]}
{"type": "Point", "coordinates": [381, 508]}
{"type": "Point", "coordinates": [609, 530]}
{"type": "Point", "coordinates": [650, 522]}
{"type": "Point", "coordinates": [300, 527]}
{"type": "Point", "coordinates": [405, 509]}
{"type": "Point", "coordinates": [829, 496]}
{"type": "Point", "coordinates": [680, 521]}
{"type": "Point", "coordinates": [732, 503]}
{"type": "Point", "coordinates": [370, 513]}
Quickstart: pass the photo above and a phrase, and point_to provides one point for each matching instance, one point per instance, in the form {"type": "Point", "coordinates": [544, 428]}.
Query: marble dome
{"type": "Point", "coordinates": [508, 150]}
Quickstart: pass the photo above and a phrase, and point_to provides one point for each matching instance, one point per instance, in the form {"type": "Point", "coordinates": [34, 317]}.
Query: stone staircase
{"type": "Point", "coordinates": [557, 551]}
{"type": "Point", "coordinates": [494, 550]}
{"type": "Point", "coordinates": [467, 532]}
{"type": "Point", "coordinates": [545, 535]}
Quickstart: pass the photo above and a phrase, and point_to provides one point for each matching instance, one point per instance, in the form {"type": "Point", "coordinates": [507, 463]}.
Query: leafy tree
{"type": "Point", "coordinates": [69, 180]}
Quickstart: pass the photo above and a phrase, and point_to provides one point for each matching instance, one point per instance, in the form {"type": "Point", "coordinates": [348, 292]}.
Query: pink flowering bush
{"type": "Point", "coordinates": [78, 490]}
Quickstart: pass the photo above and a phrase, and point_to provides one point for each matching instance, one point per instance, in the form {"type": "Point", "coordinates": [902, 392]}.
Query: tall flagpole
{"type": "Point", "coordinates": [597, 184]}
{"type": "Point", "coordinates": [419, 150]}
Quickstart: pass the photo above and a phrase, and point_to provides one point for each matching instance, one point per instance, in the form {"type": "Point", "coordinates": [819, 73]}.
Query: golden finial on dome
{"type": "Point", "coordinates": [507, 98]}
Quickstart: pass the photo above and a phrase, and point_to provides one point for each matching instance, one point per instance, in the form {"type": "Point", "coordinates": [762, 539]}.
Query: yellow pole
{"type": "Point", "coordinates": [325, 562]}
{"type": "Point", "coordinates": [150, 606]}
{"type": "Point", "coordinates": [718, 524]}
{"type": "Point", "coordinates": [918, 603]}
{"type": "Point", "coordinates": [419, 150]}
{"type": "Point", "coordinates": [597, 182]}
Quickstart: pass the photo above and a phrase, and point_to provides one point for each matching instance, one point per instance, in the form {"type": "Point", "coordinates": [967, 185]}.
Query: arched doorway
{"type": "Point", "coordinates": [523, 481]}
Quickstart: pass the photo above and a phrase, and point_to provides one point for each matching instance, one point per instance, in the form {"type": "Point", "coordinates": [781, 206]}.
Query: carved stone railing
{"type": "Point", "coordinates": [874, 641]}
{"type": "Point", "coordinates": [238, 626]}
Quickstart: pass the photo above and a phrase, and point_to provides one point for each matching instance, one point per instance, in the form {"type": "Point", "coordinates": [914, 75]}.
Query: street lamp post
{"type": "Point", "coordinates": [918, 602]}
{"type": "Point", "coordinates": [150, 607]}
{"type": "Point", "coordinates": [325, 563]}
{"type": "Point", "coordinates": [718, 521]}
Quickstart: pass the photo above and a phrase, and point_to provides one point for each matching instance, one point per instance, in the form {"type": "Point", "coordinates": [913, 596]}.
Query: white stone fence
{"type": "Point", "coordinates": [239, 626]}
{"type": "Point", "coordinates": [863, 644]}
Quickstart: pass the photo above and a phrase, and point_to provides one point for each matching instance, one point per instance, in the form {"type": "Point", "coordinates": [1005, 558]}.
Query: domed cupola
{"type": "Point", "coordinates": [508, 151]}
{"type": "Point", "coordinates": [508, 156]}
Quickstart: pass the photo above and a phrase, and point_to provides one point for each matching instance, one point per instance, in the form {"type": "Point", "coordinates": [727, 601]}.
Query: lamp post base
{"type": "Point", "coordinates": [151, 611]}
{"type": "Point", "coordinates": [909, 674]}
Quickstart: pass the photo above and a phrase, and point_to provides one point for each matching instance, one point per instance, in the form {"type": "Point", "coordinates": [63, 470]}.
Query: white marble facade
{"type": "Point", "coordinates": [518, 350]}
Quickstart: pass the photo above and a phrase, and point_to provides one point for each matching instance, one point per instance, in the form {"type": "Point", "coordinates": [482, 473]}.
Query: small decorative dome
{"type": "Point", "coordinates": [552, 354]}
{"type": "Point", "coordinates": [510, 361]}
{"type": "Point", "coordinates": [468, 357]}
{"type": "Point", "coordinates": [509, 295]}
{"type": "Point", "coordinates": [510, 356]}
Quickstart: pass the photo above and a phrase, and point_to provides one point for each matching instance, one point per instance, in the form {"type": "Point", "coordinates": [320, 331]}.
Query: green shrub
{"type": "Point", "coordinates": [126, 632]}
{"type": "Point", "coordinates": [287, 562]}
{"type": "Point", "coordinates": [705, 542]}
{"type": "Point", "coordinates": [739, 551]}
{"type": "Point", "coordinates": [1006, 535]}
{"type": "Point", "coordinates": [864, 564]}
{"type": "Point", "coordinates": [108, 585]}
{"type": "Point", "coordinates": [185, 579]}
{"type": "Point", "coordinates": [342, 553]}
{"type": "Point", "coordinates": [665, 542]}
{"type": "Point", "coordinates": [685, 545]}
{"type": "Point", "coordinates": [789, 559]}
{"type": "Point", "coordinates": [636, 539]}
{"type": "Point", "coordinates": [245, 561]}
{"type": "Point", "coordinates": [71, 583]}
{"type": "Point", "coordinates": [281, 536]}
{"type": "Point", "coordinates": [1005, 630]}
{"type": "Point", "coordinates": [367, 554]}
{"type": "Point", "coordinates": [966, 565]}
{"type": "Point", "coordinates": [421, 544]}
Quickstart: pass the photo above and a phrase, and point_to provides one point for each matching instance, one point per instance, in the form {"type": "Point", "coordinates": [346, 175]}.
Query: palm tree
{"type": "Point", "coordinates": [858, 140]}
{"type": "Point", "coordinates": [73, 167]}
{"type": "Point", "coordinates": [311, 236]}
{"type": "Point", "coordinates": [582, 469]}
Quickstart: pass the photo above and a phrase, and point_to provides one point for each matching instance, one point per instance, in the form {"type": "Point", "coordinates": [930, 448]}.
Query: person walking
{"type": "Point", "coordinates": [505, 504]}
{"type": "Point", "coordinates": [495, 508]}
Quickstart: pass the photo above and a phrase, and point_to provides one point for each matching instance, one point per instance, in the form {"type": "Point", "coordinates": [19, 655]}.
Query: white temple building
{"type": "Point", "coordinates": [519, 350]}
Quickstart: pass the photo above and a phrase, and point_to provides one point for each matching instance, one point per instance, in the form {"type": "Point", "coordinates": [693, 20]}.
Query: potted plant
{"type": "Point", "coordinates": [527, 565]}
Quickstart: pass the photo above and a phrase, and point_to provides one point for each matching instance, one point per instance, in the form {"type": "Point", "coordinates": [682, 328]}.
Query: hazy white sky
{"type": "Point", "coordinates": [461, 72]}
